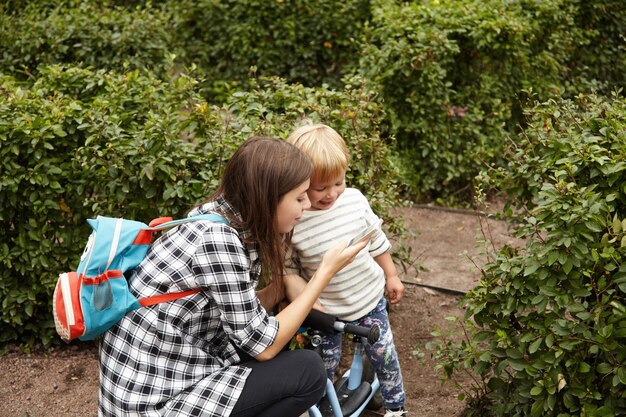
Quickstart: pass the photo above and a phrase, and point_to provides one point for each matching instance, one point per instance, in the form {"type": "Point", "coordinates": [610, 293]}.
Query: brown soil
{"type": "Point", "coordinates": [64, 382]}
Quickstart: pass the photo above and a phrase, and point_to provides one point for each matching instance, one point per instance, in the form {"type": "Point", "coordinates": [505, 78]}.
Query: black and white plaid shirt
{"type": "Point", "coordinates": [178, 358]}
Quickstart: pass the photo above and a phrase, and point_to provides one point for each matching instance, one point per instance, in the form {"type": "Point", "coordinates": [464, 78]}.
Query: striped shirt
{"type": "Point", "coordinates": [355, 290]}
{"type": "Point", "coordinates": [178, 358]}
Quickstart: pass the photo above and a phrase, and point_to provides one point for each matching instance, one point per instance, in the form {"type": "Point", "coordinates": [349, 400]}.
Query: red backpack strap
{"type": "Point", "coordinates": [144, 237]}
{"type": "Point", "coordinates": [159, 221]}
{"type": "Point", "coordinates": [162, 298]}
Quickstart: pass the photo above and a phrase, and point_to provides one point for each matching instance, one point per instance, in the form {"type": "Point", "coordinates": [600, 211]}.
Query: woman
{"type": "Point", "coordinates": [218, 352]}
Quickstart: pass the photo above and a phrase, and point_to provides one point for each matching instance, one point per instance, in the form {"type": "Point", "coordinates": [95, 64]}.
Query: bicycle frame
{"type": "Point", "coordinates": [355, 392]}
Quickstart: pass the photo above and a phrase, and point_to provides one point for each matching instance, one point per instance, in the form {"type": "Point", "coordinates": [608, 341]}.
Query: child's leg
{"type": "Point", "coordinates": [331, 353]}
{"type": "Point", "coordinates": [384, 358]}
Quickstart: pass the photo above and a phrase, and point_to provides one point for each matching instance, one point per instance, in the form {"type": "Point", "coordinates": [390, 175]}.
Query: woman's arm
{"type": "Point", "coordinates": [294, 314]}
{"type": "Point", "coordinates": [294, 285]}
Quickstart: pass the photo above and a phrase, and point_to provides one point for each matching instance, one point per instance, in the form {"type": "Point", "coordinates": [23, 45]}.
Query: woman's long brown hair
{"type": "Point", "coordinates": [255, 179]}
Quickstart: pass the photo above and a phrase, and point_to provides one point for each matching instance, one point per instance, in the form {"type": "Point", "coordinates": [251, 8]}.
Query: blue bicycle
{"type": "Point", "coordinates": [358, 388]}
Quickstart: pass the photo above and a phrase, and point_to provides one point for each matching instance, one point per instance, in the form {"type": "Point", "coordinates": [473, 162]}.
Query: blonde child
{"type": "Point", "coordinates": [355, 294]}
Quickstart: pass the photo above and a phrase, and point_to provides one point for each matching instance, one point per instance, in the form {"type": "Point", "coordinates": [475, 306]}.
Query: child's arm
{"type": "Point", "coordinates": [394, 286]}
{"type": "Point", "coordinates": [294, 285]}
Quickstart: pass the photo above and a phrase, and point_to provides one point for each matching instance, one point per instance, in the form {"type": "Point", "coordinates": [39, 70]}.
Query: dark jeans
{"type": "Point", "coordinates": [285, 386]}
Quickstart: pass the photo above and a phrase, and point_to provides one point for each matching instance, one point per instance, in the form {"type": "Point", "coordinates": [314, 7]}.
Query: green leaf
{"type": "Point", "coordinates": [537, 408]}
{"type": "Point", "coordinates": [567, 267]}
{"type": "Point", "coordinates": [531, 267]}
{"type": "Point", "coordinates": [517, 364]}
{"type": "Point", "coordinates": [604, 368]}
{"type": "Point", "coordinates": [534, 346]}
{"type": "Point", "coordinates": [148, 171]}
{"type": "Point", "coordinates": [58, 130]}
{"type": "Point", "coordinates": [514, 354]}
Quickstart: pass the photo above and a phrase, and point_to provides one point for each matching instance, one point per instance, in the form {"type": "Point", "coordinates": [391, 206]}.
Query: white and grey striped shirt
{"type": "Point", "coordinates": [355, 290]}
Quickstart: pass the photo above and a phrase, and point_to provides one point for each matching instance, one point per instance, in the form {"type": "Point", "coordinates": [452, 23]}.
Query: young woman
{"type": "Point", "coordinates": [218, 352]}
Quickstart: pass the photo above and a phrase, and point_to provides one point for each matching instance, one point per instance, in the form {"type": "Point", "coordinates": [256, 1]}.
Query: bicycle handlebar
{"type": "Point", "coordinates": [329, 324]}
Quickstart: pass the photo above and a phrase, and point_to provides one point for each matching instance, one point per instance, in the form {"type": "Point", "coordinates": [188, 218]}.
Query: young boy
{"type": "Point", "coordinates": [356, 293]}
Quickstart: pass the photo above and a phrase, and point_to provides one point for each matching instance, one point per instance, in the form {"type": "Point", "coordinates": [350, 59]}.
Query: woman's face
{"type": "Point", "coordinates": [291, 206]}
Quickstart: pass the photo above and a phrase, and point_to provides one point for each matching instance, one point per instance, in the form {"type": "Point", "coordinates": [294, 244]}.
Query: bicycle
{"type": "Point", "coordinates": [358, 388]}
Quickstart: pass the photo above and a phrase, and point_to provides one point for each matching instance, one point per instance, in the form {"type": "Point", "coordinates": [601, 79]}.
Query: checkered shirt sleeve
{"type": "Point", "coordinates": [178, 358]}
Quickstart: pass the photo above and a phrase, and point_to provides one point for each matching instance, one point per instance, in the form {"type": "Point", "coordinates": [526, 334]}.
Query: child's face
{"type": "Point", "coordinates": [323, 194]}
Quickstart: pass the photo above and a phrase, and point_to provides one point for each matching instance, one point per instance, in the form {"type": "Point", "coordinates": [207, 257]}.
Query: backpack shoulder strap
{"type": "Point", "coordinates": [145, 234]}
{"type": "Point", "coordinates": [156, 299]}
{"type": "Point", "coordinates": [210, 217]}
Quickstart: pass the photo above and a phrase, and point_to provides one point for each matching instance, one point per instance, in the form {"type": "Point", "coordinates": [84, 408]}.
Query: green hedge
{"type": "Point", "coordinates": [309, 42]}
{"type": "Point", "coordinates": [81, 142]}
{"type": "Point", "coordinates": [454, 76]}
{"type": "Point", "coordinates": [546, 327]}
{"type": "Point", "coordinates": [74, 144]}
{"type": "Point", "coordinates": [95, 34]}
{"type": "Point", "coordinates": [600, 57]}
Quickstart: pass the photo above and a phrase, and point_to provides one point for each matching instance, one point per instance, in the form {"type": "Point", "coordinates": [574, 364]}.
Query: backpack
{"type": "Point", "coordinates": [88, 301]}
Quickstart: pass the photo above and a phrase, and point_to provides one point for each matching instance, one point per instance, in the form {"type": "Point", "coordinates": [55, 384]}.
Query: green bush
{"type": "Point", "coordinates": [81, 142]}
{"type": "Point", "coordinates": [96, 34]}
{"type": "Point", "coordinates": [546, 326]}
{"type": "Point", "coordinates": [454, 76]}
{"type": "Point", "coordinates": [308, 42]}
{"type": "Point", "coordinates": [598, 61]}
{"type": "Point", "coordinates": [74, 144]}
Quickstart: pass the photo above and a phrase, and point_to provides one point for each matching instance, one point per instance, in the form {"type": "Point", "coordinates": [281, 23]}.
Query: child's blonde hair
{"type": "Point", "coordinates": [325, 147]}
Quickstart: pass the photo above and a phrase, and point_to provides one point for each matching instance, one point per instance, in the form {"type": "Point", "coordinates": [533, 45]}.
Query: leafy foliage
{"type": "Point", "coordinates": [451, 73]}
{"type": "Point", "coordinates": [95, 34]}
{"type": "Point", "coordinates": [453, 76]}
{"type": "Point", "coordinates": [309, 42]}
{"type": "Point", "coordinates": [548, 321]}
{"type": "Point", "coordinates": [598, 60]}
{"type": "Point", "coordinates": [81, 142]}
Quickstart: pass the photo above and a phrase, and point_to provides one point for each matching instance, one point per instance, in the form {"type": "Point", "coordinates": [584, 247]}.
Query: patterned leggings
{"type": "Point", "coordinates": [382, 355]}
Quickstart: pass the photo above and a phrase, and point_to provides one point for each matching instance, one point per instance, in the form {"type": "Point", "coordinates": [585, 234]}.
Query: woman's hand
{"type": "Point", "coordinates": [337, 257]}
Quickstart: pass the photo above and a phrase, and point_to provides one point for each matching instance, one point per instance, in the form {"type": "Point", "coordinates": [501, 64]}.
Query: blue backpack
{"type": "Point", "coordinates": [88, 301]}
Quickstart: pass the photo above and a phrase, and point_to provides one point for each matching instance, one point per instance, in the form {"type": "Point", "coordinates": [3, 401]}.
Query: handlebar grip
{"type": "Point", "coordinates": [329, 324]}
{"type": "Point", "coordinates": [320, 321]}
{"type": "Point", "coordinates": [371, 333]}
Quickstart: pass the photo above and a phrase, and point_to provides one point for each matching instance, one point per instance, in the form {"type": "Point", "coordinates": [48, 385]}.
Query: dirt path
{"type": "Point", "coordinates": [448, 245]}
{"type": "Point", "coordinates": [64, 383]}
